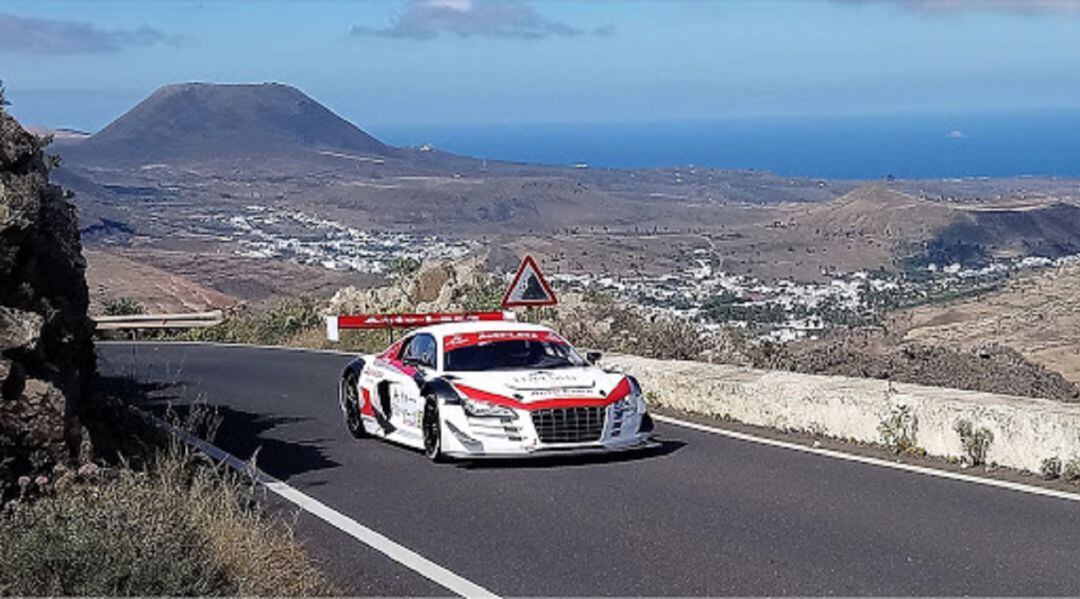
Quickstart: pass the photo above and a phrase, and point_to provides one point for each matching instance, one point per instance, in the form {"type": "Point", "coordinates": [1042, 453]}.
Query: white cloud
{"type": "Point", "coordinates": [426, 19]}
{"type": "Point", "coordinates": [45, 36]}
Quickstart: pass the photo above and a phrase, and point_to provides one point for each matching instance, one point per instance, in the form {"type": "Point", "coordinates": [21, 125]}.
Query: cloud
{"type": "Point", "coordinates": [29, 35]}
{"type": "Point", "coordinates": [426, 19]}
{"type": "Point", "coordinates": [1015, 6]}
{"type": "Point", "coordinates": [956, 134]}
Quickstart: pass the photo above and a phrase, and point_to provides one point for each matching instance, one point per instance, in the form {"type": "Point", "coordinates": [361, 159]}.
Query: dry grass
{"type": "Point", "coordinates": [182, 526]}
{"type": "Point", "coordinates": [1037, 314]}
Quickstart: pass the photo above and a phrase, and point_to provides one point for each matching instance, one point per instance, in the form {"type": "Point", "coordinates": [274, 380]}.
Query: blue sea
{"type": "Point", "coordinates": [863, 147]}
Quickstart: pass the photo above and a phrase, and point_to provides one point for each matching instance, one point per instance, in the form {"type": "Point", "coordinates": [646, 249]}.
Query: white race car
{"type": "Point", "coordinates": [492, 389]}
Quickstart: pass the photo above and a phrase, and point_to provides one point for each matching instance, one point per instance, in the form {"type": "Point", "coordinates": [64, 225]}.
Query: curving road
{"type": "Point", "coordinates": [705, 515]}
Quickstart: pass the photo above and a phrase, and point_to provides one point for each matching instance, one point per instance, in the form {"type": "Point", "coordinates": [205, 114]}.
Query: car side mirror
{"type": "Point", "coordinates": [415, 361]}
{"type": "Point", "coordinates": [593, 357]}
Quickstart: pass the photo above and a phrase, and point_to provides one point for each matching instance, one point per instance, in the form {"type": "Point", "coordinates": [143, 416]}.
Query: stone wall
{"type": "Point", "coordinates": [1025, 431]}
{"type": "Point", "coordinates": [47, 363]}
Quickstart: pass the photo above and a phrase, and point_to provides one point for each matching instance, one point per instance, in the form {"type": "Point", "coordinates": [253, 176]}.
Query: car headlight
{"type": "Point", "coordinates": [634, 402]}
{"type": "Point", "coordinates": [483, 409]}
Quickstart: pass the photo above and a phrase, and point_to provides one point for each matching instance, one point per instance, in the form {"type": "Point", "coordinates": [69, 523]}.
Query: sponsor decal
{"type": "Point", "coordinates": [451, 342]}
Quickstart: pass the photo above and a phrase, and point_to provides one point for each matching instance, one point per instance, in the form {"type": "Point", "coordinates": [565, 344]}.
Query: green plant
{"type": "Point", "coordinates": [275, 326]}
{"type": "Point", "coordinates": [484, 295]}
{"type": "Point", "coordinates": [1051, 468]}
{"type": "Point", "coordinates": [975, 442]}
{"type": "Point", "coordinates": [403, 265]}
{"type": "Point", "coordinates": [121, 306]}
{"type": "Point", "coordinates": [899, 429]}
{"type": "Point", "coordinates": [1071, 470]}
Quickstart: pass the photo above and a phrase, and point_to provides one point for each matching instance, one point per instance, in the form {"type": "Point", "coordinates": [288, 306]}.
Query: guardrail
{"type": "Point", "coordinates": [194, 320]}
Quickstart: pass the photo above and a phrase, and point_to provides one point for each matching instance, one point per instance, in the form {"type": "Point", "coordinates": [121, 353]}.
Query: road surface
{"type": "Point", "coordinates": [705, 515]}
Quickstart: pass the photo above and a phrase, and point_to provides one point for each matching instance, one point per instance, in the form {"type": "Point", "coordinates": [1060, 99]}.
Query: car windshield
{"type": "Point", "coordinates": [512, 355]}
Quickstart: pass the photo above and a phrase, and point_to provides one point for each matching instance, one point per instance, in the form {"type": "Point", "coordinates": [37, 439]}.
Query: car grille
{"type": "Point", "coordinates": [569, 425]}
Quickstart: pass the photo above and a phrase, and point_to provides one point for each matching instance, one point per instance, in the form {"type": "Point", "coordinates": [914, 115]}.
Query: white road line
{"type": "Point", "coordinates": [377, 541]}
{"type": "Point", "coordinates": [830, 453]}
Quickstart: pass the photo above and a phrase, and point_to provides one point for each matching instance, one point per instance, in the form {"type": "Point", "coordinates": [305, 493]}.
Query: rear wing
{"type": "Point", "coordinates": [389, 322]}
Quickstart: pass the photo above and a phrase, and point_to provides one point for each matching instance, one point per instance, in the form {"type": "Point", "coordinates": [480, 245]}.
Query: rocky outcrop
{"type": "Point", "coordinates": [989, 368]}
{"type": "Point", "coordinates": [434, 287]}
{"type": "Point", "coordinates": [47, 363]}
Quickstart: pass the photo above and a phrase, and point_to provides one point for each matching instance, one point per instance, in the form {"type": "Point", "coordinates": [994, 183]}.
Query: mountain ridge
{"type": "Point", "coordinates": [195, 120]}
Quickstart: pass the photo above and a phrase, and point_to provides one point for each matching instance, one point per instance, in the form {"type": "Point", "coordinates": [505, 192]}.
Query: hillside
{"type": "Point", "coordinates": [200, 120]}
{"type": "Point", "coordinates": [1037, 315]}
{"type": "Point", "coordinates": [917, 231]}
{"type": "Point", "coordinates": [110, 276]}
{"type": "Point", "coordinates": [877, 211]}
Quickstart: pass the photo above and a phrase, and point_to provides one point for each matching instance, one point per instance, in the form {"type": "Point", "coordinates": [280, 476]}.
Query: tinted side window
{"type": "Point", "coordinates": [421, 350]}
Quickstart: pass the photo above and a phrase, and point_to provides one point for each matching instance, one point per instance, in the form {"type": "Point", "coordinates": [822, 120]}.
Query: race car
{"type": "Point", "coordinates": [483, 388]}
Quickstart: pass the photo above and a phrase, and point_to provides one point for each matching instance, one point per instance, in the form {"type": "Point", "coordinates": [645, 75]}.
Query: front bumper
{"type": "Point", "coordinates": [465, 436]}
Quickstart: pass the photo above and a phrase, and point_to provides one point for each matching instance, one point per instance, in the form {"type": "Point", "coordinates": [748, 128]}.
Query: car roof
{"type": "Point", "coordinates": [456, 328]}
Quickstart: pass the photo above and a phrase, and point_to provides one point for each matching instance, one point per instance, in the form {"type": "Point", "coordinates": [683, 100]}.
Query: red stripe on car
{"type": "Point", "coordinates": [620, 391]}
{"type": "Point", "coordinates": [367, 409]}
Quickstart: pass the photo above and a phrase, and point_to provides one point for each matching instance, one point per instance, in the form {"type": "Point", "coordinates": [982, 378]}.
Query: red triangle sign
{"type": "Point", "coordinates": [529, 288]}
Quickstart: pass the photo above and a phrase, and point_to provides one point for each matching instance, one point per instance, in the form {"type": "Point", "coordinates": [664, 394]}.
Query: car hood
{"type": "Point", "coordinates": [535, 385]}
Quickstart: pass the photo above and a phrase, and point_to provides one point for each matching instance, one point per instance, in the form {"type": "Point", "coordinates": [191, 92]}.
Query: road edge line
{"type": "Point", "coordinates": [372, 538]}
{"type": "Point", "coordinates": [871, 461]}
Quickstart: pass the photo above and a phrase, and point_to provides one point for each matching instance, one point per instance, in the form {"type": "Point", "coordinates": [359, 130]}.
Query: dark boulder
{"type": "Point", "coordinates": [47, 362]}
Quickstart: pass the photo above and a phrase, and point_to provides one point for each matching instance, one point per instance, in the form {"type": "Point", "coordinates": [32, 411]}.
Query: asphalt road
{"type": "Point", "coordinates": [705, 515]}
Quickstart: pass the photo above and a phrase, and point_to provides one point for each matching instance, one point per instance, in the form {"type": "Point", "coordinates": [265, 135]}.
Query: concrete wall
{"type": "Point", "coordinates": [1025, 430]}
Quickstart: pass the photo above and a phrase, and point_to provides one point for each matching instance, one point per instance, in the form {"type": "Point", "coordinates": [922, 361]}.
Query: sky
{"type": "Point", "coordinates": [82, 64]}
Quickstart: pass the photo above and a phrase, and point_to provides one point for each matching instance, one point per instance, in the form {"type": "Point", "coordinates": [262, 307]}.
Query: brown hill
{"type": "Point", "coordinates": [920, 231]}
{"type": "Point", "coordinates": [877, 211]}
{"type": "Point", "coordinates": [1037, 315]}
{"type": "Point", "coordinates": [202, 120]}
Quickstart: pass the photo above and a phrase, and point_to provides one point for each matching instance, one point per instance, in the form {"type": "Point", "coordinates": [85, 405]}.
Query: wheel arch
{"type": "Point", "coordinates": [440, 389]}
{"type": "Point", "coordinates": [351, 372]}
{"type": "Point", "coordinates": [353, 368]}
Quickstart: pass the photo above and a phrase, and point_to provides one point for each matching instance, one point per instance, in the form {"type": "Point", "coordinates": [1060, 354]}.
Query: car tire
{"type": "Point", "coordinates": [432, 430]}
{"type": "Point", "coordinates": [350, 404]}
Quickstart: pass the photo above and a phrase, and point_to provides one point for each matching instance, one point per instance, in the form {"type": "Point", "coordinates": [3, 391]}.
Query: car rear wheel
{"type": "Point", "coordinates": [432, 430]}
{"type": "Point", "coordinates": [350, 403]}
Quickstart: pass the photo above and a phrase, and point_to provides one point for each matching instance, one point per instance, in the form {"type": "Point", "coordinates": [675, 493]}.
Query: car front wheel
{"type": "Point", "coordinates": [432, 430]}
{"type": "Point", "coordinates": [350, 403]}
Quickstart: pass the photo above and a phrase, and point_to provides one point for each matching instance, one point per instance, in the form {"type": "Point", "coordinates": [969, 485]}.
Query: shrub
{"type": "Point", "coordinates": [121, 306]}
{"type": "Point", "coordinates": [181, 527]}
{"type": "Point", "coordinates": [1051, 468]}
{"type": "Point", "coordinates": [275, 326]}
{"type": "Point", "coordinates": [975, 442]}
{"type": "Point", "coordinates": [1071, 470]}
{"type": "Point", "coordinates": [898, 430]}
{"type": "Point", "coordinates": [403, 265]}
{"type": "Point", "coordinates": [483, 296]}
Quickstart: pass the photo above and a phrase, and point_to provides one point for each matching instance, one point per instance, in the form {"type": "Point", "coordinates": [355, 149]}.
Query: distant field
{"type": "Point", "coordinates": [1038, 315]}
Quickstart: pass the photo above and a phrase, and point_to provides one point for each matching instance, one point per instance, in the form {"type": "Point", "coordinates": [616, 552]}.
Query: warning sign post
{"type": "Point", "coordinates": [529, 289]}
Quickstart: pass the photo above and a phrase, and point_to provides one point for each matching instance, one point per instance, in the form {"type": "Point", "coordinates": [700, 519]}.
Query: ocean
{"type": "Point", "coordinates": [1045, 143]}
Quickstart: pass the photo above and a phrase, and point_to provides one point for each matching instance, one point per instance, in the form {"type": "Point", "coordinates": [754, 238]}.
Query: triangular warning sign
{"type": "Point", "coordinates": [528, 287]}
